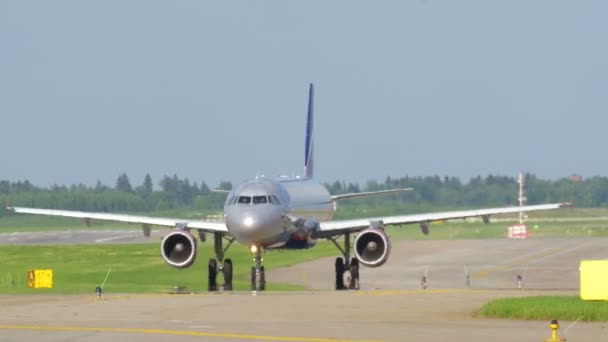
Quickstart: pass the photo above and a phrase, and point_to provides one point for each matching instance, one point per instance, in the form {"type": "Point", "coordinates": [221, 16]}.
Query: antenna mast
{"type": "Point", "coordinates": [522, 196]}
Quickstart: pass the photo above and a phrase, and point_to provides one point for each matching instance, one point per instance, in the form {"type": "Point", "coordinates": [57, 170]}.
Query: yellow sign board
{"type": "Point", "coordinates": [38, 279]}
{"type": "Point", "coordinates": [594, 279]}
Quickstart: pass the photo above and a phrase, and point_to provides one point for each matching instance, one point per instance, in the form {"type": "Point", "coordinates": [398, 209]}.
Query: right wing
{"type": "Point", "coordinates": [208, 226]}
{"type": "Point", "coordinates": [332, 228]}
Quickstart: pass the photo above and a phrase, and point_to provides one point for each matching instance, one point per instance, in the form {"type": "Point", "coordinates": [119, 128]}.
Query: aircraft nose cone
{"type": "Point", "coordinates": [254, 227]}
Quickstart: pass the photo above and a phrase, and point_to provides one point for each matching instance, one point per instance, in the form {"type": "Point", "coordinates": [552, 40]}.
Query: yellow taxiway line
{"type": "Point", "coordinates": [177, 332]}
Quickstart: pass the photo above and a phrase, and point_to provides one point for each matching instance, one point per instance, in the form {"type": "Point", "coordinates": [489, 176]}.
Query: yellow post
{"type": "Point", "coordinates": [554, 326]}
{"type": "Point", "coordinates": [30, 279]}
{"type": "Point", "coordinates": [40, 278]}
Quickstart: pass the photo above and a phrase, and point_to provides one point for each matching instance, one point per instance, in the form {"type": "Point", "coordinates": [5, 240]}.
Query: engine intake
{"type": "Point", "coordinates": [178, 249]}
{"type": "Point", "coordinates": [372, 247]}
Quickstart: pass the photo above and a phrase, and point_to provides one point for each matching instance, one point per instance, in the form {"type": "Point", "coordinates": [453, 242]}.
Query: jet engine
{"type": "Point", "coordinates": [372, 247]}
{"type": "Point", "coordinates": [178, 248]}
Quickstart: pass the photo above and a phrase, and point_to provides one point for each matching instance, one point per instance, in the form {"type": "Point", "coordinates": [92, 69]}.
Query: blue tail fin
{"type": "Point", "coordinates": [308, 156]}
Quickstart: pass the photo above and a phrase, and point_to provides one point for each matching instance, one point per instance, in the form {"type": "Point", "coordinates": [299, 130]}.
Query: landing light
{"type": "Point", "coordinates": [248, 221]}
{"type": "Point", "coordinates": [254, 249]}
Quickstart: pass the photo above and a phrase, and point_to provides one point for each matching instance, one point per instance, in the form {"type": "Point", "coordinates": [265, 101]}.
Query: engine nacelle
{"type": "Point", "coordinates": [178, 249]}
{"type": "Point", "coordinates": [372, 247]}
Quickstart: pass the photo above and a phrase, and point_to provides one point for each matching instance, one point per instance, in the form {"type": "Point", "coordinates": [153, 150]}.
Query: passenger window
{"type": "Point", "coordinates": [260, 199]}
{"type": "Point", "coordinates": [244, 199]}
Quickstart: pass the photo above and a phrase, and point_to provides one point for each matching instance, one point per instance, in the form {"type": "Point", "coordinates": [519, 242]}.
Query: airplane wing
{"type": "Point", "coordinates": [214, 227]}
{"type": "Point", "coordinates": [370, 193]}
{"type": "Point", "coordinates": [331, 228]}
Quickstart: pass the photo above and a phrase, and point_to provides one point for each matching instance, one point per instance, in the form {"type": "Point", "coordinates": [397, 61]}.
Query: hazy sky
{"type": "Point", "coordinates": [217, 90]}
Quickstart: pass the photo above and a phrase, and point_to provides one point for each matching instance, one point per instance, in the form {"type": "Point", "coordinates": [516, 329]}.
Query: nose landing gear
{"type": "Point", "coordinates": [258, 276]}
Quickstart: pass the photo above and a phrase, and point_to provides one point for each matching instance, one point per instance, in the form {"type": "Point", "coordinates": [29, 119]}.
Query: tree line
{"type": "Point", "coordinates": [430, 191]}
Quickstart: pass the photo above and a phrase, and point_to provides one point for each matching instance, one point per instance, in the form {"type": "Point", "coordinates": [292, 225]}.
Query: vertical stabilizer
{"type": "Point", "coordinates": [308, 153]}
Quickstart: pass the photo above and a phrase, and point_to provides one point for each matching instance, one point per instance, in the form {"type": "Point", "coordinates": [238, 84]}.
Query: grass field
{"type": "Point", "coordinates": [134, 268]}
{"type": "Point", "coordinates": [567, 308]}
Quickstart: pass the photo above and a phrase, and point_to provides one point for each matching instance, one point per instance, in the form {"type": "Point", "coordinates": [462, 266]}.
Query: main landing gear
{"type": "Point", "coordinates": [220, 265]}
{"type": "Point", "coordinates": [347, 269]}
{"type": "Point", "coordinates": [258, 276]}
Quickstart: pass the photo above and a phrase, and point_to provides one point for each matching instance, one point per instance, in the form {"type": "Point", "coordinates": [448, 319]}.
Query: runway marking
{"type": "Point", "coordinates": [178, 333]}
{"type": "Point", "coordinates": [117, 237]}
{"type": "Point", "coordinates": [416, 291]}
{"type": "Point", "coordinates": [527, 259]}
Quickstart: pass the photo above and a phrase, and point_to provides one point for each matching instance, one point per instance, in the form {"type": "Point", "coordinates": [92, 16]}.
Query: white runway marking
{"type": "Point", "coordinates": [112, 238]}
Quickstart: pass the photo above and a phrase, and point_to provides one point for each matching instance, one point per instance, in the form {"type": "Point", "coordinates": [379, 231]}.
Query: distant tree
{"type": "Point", "coordinates": [225, 185]}
{"type": "Point", "coordinates": [148, 187]}
{"type": "Point", "coordinates": [99, 187]}
{"type": "Point", "coordinates": [5, 187]}
{"type": "Point", "coordinates": [168, 185]}
{"type": "Point", "coordinates": [204, 189]}
{"type": "Point", "coordinates": [123, 184]}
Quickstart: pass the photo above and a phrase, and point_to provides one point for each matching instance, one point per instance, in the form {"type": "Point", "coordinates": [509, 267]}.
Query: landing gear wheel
{"type": "Point", "coordinates": [262, 279]}
{"type": "Point", "coordinates": [227, 275]}
{"type": "Point", "coordinates": [340, 274]}
{"type": "Point", "coordinates": [354, 274]}
{"type": "Point", "coordinates": [347, 279]}
{"type": "Point", "coordinates": [212, 275]}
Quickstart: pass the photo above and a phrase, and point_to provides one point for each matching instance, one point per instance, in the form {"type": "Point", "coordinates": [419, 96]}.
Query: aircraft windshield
{"type": "Point", "coordinates": [244, 199]}
{"type": "Point", "coordinates": [260, 199]}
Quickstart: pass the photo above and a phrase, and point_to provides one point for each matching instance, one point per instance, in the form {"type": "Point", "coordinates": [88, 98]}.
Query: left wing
{"type": "Point", "coordinates": [214, 227]}
{"type": "Point", "coordinates": [369, 193]}
{"type": "Point", "coordinates": [331, 228]}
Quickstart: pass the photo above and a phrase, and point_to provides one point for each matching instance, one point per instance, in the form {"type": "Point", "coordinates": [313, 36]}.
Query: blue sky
{"type": "Point", "coordinates": [217, 90]}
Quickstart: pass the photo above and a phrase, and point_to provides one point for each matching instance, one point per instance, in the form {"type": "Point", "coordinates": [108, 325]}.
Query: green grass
{"type": "Point", "coordinates": [567, 308]}
{"type": "Point", "coordinates": [135, 268]}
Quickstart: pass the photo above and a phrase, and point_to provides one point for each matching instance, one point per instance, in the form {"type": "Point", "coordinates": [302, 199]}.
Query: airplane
{"type": "Point", "coordinates": [284, 213]}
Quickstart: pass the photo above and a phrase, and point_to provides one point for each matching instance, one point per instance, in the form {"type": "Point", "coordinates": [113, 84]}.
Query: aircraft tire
{"type": "Point", "coordinates": [262, 279]}
{"type": "Point", "coordinates": [340, 274]}
{"type": "Point", "coordinates": [253, 278]}
{"type": "Point", "coordinates": [212, 285]}
{"type": "Point", "coordinates": [354, 273]}
{"type": "Point", "coordinates": [227, 275]}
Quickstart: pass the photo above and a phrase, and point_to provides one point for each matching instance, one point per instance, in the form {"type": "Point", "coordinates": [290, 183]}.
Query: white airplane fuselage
{"type": "Point", "coordinates": [277, 213]}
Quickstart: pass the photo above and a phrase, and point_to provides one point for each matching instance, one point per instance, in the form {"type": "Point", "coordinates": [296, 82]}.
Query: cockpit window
{"type": "Point", "coordinates": [274, 200]}
{"type": "Point", "coordinates": [260, 199]}
{"type": "Point", "coordinates": [244, 199]}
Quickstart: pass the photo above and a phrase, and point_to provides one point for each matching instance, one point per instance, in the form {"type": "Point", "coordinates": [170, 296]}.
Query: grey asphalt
{"type": "Point", "coordinates": [80, 237]}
